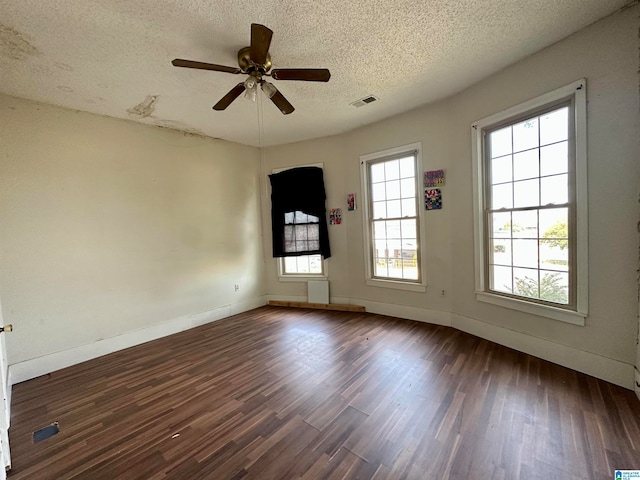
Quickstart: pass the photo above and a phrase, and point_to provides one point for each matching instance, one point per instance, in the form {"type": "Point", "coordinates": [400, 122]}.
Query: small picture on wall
{"type": "Point", "coordinates": [335, 216]}
{"type": "Point", "coordinates": [351, 202]}
{"type": "Point", "coordinates": [434, 178]}
{"type": "Point", "coordinates": [433, 199]}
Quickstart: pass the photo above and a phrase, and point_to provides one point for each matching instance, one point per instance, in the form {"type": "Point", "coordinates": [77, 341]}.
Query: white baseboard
{"type": "Point", "coordinates": [20, 372]}
{"type": "Point", "coordinates": [435, 317]}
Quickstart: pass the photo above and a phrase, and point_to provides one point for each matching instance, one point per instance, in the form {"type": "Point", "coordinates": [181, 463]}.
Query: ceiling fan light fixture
{"type": "Point", "coordinates": [251, 88]}
{"type": "Point", "coordinates": [268, 88]}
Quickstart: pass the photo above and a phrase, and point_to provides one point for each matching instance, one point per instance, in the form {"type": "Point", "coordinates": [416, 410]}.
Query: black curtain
{"type": "Point", "coordinates": [298, 190]}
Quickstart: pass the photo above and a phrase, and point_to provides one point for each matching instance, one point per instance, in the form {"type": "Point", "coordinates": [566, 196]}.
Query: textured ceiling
{"type": "Point", "coordinates": [112, 57]}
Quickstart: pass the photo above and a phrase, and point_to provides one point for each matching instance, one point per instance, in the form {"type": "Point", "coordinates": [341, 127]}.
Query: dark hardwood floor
{"type": "Point", "coordinates": [280, 393]}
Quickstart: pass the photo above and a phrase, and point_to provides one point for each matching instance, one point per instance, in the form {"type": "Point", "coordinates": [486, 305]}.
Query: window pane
{"type": "Point", "coordinates": [501, 278]}
{"type": "Point", "coordinates": [409, 207]}
{"type": "Point", "coordinates": [393, 229]}
{"type": "Point", "coordinates": [526, 193]}
{"type": "Point", "coordinates": [305, 264]}
{"type": "Point", "coordinates": [288, 217]}
{"type": "Point", "coordinates": [302, 264]}
{"type": "Point", "coordinates": [500, 142]}
{"type": "Point", "coordinates": [378, 192]}
{"type": "Point", "coordinates": [395, 268]}
{"type": "Point", "coordinates": [502, 196]}
{"type": "Point", "coordinates": [525, 253]}
{"type": "Point", "coordinates": [525, 224]}
{"type": "Point", "coordinates": [553, 222]}
{"type": "Point", "coordinates": [408, 228]}
{"type": "Point", "coordinates": [501, 169]}
{"type": "Point", "coordinates": [554, 286]}
{"type": "Point", "coordinates": [525, 135]}
{"type": "Point", "coordinates": [525, 165]}
{"type": "Point", "coordinates": [525, 282]}
{"type": "Point", "coordinates": [554, 159]}
{"type": "Point", "coordinates": [393, 209]}
{"type": "Point", "coordinates": [379, 209]}
{"type": "Point", "coordinates": [554, 254]}
{"type": "Point", "coordinates": [380, 267]}
{"type": "Point", "coordinates": [377, 172]}
{"type": "Point", "coordinates": [379, 229]}
{"type": "Point", "coordinates": [500, 252]}
{"type": "Point", "coordinates": [315, 264]}
{"type": "Point", "coordinates": [393, 189]}
{"type": "Point", "coordinates": [392, 170]}
{"type": "Point", "coordinates": [500, 225]}
{"type": "Point", "coordinates": [300, 217]}
{"type": "Point", "coordinates": [380, 248]}
{"type": "Point", "coordinates": [290, 265]}
{"type": "Point", "coordinates": [555, 190]}
{"type": "Point", "coordinates": [394, 248]}
{"type": "Point", "coordinates": [407, 167]}
{"type": "Point", "coordinates": [408, 188]}
{"type": "Point", "coordinates": [554, 126]}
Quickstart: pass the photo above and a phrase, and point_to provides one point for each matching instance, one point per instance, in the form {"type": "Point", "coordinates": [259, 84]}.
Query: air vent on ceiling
{"type": "Point", "coordinates": [363, 101]}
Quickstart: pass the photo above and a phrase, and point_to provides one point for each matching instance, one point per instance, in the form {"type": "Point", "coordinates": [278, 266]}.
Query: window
{"type": "Point", "coordinates": [304, 265]}
{"type": "Point", "coordinates": [392, 218]}
{"type": "Point", "coordinates": [530, 163]}
{"type": "Point", "coordinates": [301, 232]}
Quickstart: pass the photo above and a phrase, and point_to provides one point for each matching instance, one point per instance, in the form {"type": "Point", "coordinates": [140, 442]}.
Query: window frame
{"type": "Point", "coordinates": [376, 157]}
{"type": "Point", "coordinates": [577, 310]}
{"type": "Point", "coordinates": [283, 276]}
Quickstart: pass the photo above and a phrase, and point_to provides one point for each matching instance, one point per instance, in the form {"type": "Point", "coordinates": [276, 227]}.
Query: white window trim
{"type": "Point", "coordinates": [368, 244]}
{"type": "Point", "coordinates": [578, 90]}
{"type": "Point", "coordinates": [300, 277]}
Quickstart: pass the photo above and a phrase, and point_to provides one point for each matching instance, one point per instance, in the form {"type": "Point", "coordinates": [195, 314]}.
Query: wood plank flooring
{"type": "Point", "coordinates": [279, 393]}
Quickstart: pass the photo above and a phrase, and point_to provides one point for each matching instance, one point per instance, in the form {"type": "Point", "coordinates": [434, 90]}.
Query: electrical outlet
{"type": "Point", "coordinates": [237, 287]}
{"type": "Point", "coordinates": [443, 293]}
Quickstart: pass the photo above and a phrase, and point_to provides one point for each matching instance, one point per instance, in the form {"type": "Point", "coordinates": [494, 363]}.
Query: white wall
{"type": "Point", "coordinates": [606, 54]}
{"type": "Point", "coordinates": [108, 227]}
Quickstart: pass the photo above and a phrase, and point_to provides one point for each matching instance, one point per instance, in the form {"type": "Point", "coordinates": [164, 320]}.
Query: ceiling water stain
{"type": "Point", "coordinates": [180, 127]}
{"type": "Point", "coordinates": [64, 88]}
{"type": "Point", "coordinates": [145, 108]}
{"type": "Point", "coordinates": [14, 45]}
{"type": "Point", "coordinates": [63, 66]}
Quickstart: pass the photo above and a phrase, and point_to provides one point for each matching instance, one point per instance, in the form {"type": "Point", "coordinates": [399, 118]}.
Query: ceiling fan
{"type": "Point", "coordinates": [255, 61]}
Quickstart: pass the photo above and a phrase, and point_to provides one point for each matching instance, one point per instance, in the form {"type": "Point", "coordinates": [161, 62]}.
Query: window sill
{"type": "Point", "coordinates": [567, 316]}
{"type": "Point", "coordinates": [412, 287]}
{"type": "Point", "coordinates": [302, 278]}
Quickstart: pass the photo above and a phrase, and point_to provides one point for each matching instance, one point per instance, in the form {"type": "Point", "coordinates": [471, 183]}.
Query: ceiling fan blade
{"type": "Point", "coordinates": [260, 41]}
{"type": "Point", "coordinates": [306, 74]}
{"type": "Point", "coordinates": [179, 62]}
{"type": "Point", "coordinates": [229, 97]}
{"type": "Point", "coordinates": [282, 103]}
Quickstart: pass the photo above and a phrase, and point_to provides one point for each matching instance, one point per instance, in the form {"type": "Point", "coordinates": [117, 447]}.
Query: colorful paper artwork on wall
{"type": "Point", "coordinates": [433, 199]}
{"type": "Point", "coordinates": [351, 202]}
{"type": "Point", "coordinates": [434, 178]}
{"type": "Point", "coordinates": [335, 216]}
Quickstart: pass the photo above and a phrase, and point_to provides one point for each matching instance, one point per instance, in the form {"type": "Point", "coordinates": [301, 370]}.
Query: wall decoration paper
{"type": "Point", "coordinates": [351, 202]}
{"type": "Point", "coordinates": [433, 199]}
{"type": "Point", "coordinates": [335, 216]}
{"type": "Point", "coordinates": [434, 178]}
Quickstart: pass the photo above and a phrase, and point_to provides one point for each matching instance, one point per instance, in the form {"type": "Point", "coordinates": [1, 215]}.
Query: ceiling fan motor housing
{"type": "Point", "coordinates": [245, 63]}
